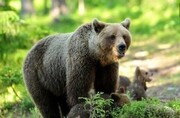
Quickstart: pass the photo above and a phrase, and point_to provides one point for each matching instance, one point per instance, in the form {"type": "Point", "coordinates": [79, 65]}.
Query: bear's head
{"type": "Point", "coordinates": [112, 40]}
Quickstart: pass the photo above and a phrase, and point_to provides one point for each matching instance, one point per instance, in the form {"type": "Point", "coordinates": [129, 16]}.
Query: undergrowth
{"type": "Point", "coordinates": [147, 108]}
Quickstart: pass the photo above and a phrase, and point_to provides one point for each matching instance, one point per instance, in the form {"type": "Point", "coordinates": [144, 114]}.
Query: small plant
{"type": "Point", "coordinates": [35, 113]}
{"type": "Point", "coordinates": [175, 105]}
{"type": "Point", "coordinates": [97, 105]}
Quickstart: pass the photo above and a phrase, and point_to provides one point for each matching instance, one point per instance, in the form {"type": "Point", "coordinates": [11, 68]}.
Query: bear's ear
{"type": "Point", "coordinates": [115, 97]}
{"type": "Point", "coordinates": [98, 26]}
{"type": "Point", "coordinates": [126, 23]}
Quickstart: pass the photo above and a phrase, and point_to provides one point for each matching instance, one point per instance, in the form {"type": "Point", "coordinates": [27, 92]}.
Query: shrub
{"type": "Point", "coordinates": [97, 105]}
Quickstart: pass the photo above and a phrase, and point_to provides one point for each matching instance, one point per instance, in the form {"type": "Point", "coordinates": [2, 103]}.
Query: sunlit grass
{"type": "Point", "coordinates": [8, 97]}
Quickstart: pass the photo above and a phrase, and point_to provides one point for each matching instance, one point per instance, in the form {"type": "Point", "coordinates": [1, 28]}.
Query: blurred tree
{"type": "Point", "coordinates": [45, 7]}
{"type": "Point", "coordinates": [27, 8]}
{"type": "Point", "coordinates": [4, 5]}
{"type": "Point", "coordinates": [59, 7]}
{"type": "Point", "coordinates": [81, 7]}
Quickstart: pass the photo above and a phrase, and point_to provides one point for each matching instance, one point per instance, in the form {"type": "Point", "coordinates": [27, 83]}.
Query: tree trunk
{"type": "Point", "coordinates": [59, 7]}
{"type": "Point", "coordinates": [45, 11]}
{"type": "Point", "coordinates": [27, 8]}
{"type": "Point", "coordinates": [81, 8]}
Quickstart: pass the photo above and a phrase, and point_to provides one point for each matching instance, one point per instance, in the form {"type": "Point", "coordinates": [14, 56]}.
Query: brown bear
{"type": "Point", "coordinates": [124, 82]}
{"type": "Point", "coordinates": [138, 87]}
{"type": "Point", "coordinates": [62, 67]}
{"type": "Point", "coordinates": [83, 111]}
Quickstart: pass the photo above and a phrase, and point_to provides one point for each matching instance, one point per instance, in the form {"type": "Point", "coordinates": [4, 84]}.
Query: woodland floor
{"type": "Point", "coordinates": [164, 61]}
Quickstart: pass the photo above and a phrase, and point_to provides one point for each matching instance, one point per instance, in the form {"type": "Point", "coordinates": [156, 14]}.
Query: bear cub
{"type": "Point", "coordinates": [138, 87]}
{"type": "Point", "coordinates": [83, 111]}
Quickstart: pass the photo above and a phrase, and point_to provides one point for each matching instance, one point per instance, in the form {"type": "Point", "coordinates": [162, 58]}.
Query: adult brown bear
{"type": "Point", "coordinates": [62, 67]}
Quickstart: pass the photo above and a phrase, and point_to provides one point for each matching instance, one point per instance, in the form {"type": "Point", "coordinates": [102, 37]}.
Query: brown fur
{"type": "Point", "coordinates": [124, 82]}
{"type": "Point", "coordinates": [83, 111]}
{"type": "Point", "coordinates": [120, 98]}
{"type": "Point", "coordinates": [138, 87]}
{"type": "Point", "coordinates": [62, 67]}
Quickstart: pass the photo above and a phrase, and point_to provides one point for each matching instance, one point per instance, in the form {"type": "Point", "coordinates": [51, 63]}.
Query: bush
{"type": "Point", "coordinates": [149, 108]}
{"type": "Point", "coordinates": [15, 39]}
{"type": "Point", "coordinates": [97, 105]}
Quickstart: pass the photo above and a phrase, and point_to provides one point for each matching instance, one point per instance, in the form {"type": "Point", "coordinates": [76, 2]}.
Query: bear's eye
{"type": "Point", "coordinates": [124, 36]}
{"type": "Point", "coordinates": [146, 73]}
{"type": "Point", "coordinates": [112, 37]}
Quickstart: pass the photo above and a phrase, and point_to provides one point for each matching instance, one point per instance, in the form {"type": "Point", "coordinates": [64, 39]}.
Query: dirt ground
{"type": "Point", "coordinates": [165, 63]}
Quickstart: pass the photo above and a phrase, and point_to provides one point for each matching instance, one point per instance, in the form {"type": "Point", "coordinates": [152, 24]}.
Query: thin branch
{"type": "Point", "coordinates": [15, 92]}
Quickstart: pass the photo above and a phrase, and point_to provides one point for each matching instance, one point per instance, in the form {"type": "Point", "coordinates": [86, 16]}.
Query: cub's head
{"type": "Point", "coordinates": [143, 75]}
{"type": "Point", "coordinates": [113, 40]}
{"type": "Point", "coordinates": [120, 98]}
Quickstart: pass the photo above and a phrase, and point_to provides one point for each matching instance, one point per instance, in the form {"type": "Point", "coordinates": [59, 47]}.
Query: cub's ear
{"type": "Point", "coordinates": [126, 23]}
{"type": "Point", "coordinates": [98, 26]}
{"type": "Point", "coordinates": [137, 72]}
{"type": "Point", "coordinates": [115, 97]}
{"type": "Point", "coordinates": [121, 90]}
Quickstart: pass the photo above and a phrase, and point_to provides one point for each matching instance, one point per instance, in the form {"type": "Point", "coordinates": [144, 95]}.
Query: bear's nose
{"type": "Point", "coordinates": [122, 47]}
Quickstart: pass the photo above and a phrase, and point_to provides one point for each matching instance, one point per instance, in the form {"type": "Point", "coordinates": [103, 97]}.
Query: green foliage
{"type": "Point", "coordinates": [175, 104]}
{"type": "Point", "coordinates": [11, 79]}
{"type": "Point", "coordinates": [9, 76]}
{"type": "Point", "coordinates": [35, 113]}
{"type": "Point", "coordinates": [9, 28]}
{"type": "Point", "coordinates": [9, 23]}
{"type": "Point", "coordinates": [11, 110]}
{"type": "Point", "coordinates": [26, 104]}
{"type": "Point", "coordinates": [97, 105]}
{"type": "Point", "coordinates": [159, 111]}
{"type": "Point", "coordinates": [16, 36]}
{"type": "Point", "coordinates": [4, 5]}
{"type": "Point", "coordinates": [149, 108]}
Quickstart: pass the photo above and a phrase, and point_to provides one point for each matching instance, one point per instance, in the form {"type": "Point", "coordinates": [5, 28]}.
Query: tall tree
{"type": "Point", "coordinates": [59, 7]}
{"type": "Point", "coordinates": [45, 11]}
{"type": "Point", "coordinates": [81, 7]}
{"type": "Point", "coordinates": [27, 7]}
{"type": "Point", "coordinates": [4, 5]}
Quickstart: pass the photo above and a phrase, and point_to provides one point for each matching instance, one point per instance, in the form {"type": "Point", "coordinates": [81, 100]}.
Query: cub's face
{"type": "Point", "coordinates": [113, 40]}
{"type": "Point", "coordinates": [143, 75]}
{"type": "Point", "coordinates": [146, 75]}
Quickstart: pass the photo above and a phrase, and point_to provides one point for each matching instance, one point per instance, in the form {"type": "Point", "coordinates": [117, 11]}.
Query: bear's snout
{"type": "Point", "coordinates": [121, 49]}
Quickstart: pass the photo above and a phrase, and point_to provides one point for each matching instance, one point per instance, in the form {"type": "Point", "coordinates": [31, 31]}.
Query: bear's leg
{"type": "Point", "coordinates": [64, 106]}
{"type": "Point", "coordinates": [106, 78]}
{"type": "Point", "coordinates": [44, 100]}
{"type": "Point", "coordinates": [47, 104]}
{"type": "Point", "coordinates": [80, 77]}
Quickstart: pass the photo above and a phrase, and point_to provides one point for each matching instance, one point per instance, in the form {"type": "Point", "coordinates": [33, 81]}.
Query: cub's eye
{"type": "Point", "coordinates": [146, 73]}
{"type": "Point", "coordinates": [112, 37]}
